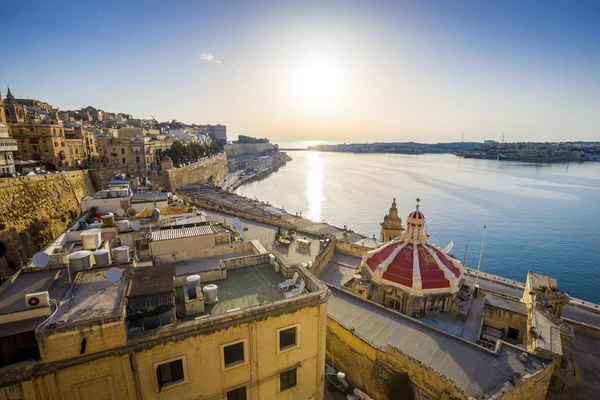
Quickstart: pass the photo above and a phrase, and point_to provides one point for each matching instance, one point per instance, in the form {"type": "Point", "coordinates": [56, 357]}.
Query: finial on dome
{"type": "Point", "coordinates": [418, 201]}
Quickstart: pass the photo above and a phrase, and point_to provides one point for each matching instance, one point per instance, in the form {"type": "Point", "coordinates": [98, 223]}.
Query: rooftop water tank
{"type": "Point", "coordinates": [80, 260]}
{"type": "Point", "coordinates": [123, 192]}
{"type": "Point", "coordinates": [121, 254]}
{"type": "Point", "coordinates": [102, 257]}
{"type": "Point", "coordinates": [210, 293]}
{"type": "Point", "coordinates": [105, 194]}
{"type": "Point", "coordinates": [91, 239]}
{"type": "Point", "coordinates": [123, 225]}
{"type": "Point", "coordinates": [108, 220]}
{"type": "Point", "coordinates": [114, 192]}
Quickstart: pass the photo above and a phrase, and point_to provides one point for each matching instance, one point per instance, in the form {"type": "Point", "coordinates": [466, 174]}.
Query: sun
{"type": "Point", "coordinates": [317, 84]}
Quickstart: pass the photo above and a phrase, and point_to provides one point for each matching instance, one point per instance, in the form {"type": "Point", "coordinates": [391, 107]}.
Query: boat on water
{"type": "Point", "coordinates": [502, 158]}
{"type": "Point", "coordinates": [472, 155]}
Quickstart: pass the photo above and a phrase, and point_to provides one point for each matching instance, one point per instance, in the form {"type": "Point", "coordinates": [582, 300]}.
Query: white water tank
{"type": "Point", "coordinates": [91, 239]}
{"type": "Point", "coordinates": [123, 192]}
{"type": "Point", "coordinates": [80, 260]}
{"type": "Point", "coordinates": [105, 194]}
{"type": "Point", "coordinates": [121, 254]}
{"type": "Point", "coordinates": [210, 293]}
{"type": "Point", "coordinates": [102, 257]}
{"type": "Point", "coordinates": [114, 192]}
{"type": "Point", "coordinates": [123, 225]}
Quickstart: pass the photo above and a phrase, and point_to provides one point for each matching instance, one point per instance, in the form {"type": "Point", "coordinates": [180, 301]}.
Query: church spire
{"type": "Point", "coordinates": [9, 96]}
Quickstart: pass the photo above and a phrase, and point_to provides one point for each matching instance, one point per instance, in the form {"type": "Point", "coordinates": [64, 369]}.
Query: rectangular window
{"type": "Point", "coordinates": [169, 373]}
{"type": "Point", "coordinates": [287, 380]}
{"type": "Point", "coordinates": [192, 293]}
{"type": "Point", "coordinates": [122, 150]}
{"type": "Point", "coordinates": [287, 338]}
{"type": "Point", "coordinates": [124, 162]}
{"type": "Point", "coordinates": [233, 354]}
{"type": "Point", "coordinates": [237, 394]}
{"type": "Point", "coordinates": [513, 334]}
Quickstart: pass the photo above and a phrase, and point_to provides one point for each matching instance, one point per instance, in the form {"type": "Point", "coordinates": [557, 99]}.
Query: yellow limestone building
{"type": "Point", "coordinates": [154, 335]}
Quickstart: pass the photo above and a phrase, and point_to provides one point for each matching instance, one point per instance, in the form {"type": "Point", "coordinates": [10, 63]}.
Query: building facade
{"type": "Point", "coordinates": [42, 140]}
{"type": "Point", "coordinates": [7, 145]}
{"type": "Point", "coordinates": [134, 151]}
{"type": "Point", "coordinates": [120, 340]}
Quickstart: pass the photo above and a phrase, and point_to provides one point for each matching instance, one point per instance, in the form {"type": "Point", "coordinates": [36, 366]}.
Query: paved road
{"type": "Point", "coordinates": [571, 311]}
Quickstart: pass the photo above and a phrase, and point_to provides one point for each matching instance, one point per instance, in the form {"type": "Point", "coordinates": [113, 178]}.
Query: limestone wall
{"type": "Point", "coordinates": [214, 168]}
{"type": "Point", "coordinates": [36, 209]}
{"type": "Point", "coordinates": [233, 150]}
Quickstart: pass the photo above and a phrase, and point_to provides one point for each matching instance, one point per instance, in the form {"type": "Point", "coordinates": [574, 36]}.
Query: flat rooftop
{"type": "Point", "coordinates": [247, 287]}
{"type": "Point", "coordinates": [542, 280]}
{"type": "Point", "coordinates": [94, 297]}
{"type": "Point", "coordinates": [474, 370]}
{"type": "Point", "coordinates": [505, 304]}
{"type": "Point", "coordinates": [12, 297]}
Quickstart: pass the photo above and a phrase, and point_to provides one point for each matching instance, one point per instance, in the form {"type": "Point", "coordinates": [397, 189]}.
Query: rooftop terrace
{"type": "Point", "coordinates": [247, 287]}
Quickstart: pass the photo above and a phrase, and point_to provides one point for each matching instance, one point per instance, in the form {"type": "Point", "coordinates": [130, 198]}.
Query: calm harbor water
{"type": "Point", "coordinates": [543, 217]}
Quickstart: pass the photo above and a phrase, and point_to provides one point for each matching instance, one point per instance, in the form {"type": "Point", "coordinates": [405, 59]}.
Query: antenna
{"type": "Point", "coordinates": [503, 138]}
{"type": "Point", "coordinates": [480, 254]}
{"type": "Point", "coordinates": [41, 259]}
{"type": "Point", "coordinates": [114, 275]}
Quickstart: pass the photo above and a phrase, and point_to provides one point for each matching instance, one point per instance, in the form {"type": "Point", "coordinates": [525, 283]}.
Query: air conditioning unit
{"type": "Point", "coordinates": [40, 299]}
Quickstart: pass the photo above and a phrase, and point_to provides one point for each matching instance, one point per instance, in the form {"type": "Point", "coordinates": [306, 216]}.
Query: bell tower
{"type": "Point", "coordinates": [391, 226]}
{"type": "Point", "coordinates": [2, 114]}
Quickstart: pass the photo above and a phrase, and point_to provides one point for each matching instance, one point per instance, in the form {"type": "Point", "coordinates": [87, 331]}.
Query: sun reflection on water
{"type": "Point", "coordinates": [314, 185]}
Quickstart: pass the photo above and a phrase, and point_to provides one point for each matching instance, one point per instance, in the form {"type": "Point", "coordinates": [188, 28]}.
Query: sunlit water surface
{"type": "Point", "coordinates": [543, 217]}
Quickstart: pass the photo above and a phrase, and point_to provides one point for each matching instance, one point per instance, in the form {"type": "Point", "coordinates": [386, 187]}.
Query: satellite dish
{"type": "Point", "coordinates": [120, 212]}
{"type": "Point", "coordinates": [242, 234]}
{"type": "Point", "coordinates": [237, 224]}
{"type": "Point", "coordinates": [135, 225]}
{"type": "Point", "coordinates": [113, 275]}
{"type": "Point", "coordinates": [131, 211]}
{"type": "Point", "coordinates": [41, 259]}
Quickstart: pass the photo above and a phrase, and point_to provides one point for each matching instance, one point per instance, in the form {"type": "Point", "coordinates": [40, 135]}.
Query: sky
{"type": "Point", "coordinates": [336, 71]}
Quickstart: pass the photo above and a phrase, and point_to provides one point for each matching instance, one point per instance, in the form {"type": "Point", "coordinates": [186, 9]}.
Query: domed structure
{"type": "Point", "coordinates": [410, 274]}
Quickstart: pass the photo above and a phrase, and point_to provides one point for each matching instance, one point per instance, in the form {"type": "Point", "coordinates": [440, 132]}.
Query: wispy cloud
{"type": "Point", "coordinates": [218, 61]}
{"type": "Point", "coordinates": [207, 57]}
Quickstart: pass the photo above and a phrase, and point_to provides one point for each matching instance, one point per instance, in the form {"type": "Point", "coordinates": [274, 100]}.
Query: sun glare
{"type": "Point", "coordinates": [317, 85]}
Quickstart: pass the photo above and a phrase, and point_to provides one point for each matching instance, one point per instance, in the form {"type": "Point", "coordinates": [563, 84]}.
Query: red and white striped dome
{"type": "Point", "coordinates": [418, 267]}
{"type": "Point", "coordinates": [416, 214]}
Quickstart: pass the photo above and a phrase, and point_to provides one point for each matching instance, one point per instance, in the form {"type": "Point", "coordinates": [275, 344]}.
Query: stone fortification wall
{"type": "Point", "coordinates": [36, 209]}
{"type": "Point", "coordinates": [213, 168]}
{"type": "Point", "coordinates": [239, 149]}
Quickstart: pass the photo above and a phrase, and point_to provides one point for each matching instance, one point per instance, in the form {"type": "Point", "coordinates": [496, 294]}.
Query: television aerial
{"type": "Point", "coordinates": [41, 259]}
{"type": "Point", "coordinates": [114, 275]}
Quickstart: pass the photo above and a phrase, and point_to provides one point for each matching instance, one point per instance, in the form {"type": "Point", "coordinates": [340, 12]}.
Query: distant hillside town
{"type": "Point", "coordinates": [490, 149]}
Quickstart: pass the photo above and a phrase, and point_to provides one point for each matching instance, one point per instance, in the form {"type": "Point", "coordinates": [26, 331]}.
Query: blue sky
{"type": "Point", "coordinates": [318, 70]}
